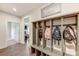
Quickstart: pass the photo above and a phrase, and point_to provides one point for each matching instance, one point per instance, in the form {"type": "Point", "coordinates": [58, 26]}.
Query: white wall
{"type": "Point", "coordinates": [70, 7]}
{"type": "Point", "coordinates": [4, 19]}
{"type": "Point", "coordinates": [36, 15]}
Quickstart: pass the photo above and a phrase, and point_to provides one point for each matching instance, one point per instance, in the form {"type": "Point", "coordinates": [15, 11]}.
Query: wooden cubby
{"type": "Point", "coordinates": [54, 50]}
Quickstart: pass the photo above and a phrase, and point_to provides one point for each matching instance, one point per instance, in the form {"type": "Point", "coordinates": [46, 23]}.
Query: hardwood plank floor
{"type": "Point", "coordinates": [15, 50]}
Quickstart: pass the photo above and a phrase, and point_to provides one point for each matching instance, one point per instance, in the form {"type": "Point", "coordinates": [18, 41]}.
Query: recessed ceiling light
{"type": "Point", "coordinates": [14, 9]}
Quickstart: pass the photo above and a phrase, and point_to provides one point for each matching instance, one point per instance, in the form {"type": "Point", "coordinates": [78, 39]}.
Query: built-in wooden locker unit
{"type": "Point", "coordinates": [49, 47]}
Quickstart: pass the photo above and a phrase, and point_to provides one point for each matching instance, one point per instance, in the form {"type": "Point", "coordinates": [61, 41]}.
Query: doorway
{"type": "Point", "coordinates": [13, 31]}
{"type": "Point", "coordinates": [26, 29]}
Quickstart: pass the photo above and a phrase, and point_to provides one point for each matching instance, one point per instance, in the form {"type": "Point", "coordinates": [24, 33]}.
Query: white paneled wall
{"type": "Point", "coordinates": [4, 19]}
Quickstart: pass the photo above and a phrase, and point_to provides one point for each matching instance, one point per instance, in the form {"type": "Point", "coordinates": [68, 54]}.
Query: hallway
{"type": "Point", "coordinates": [15, 50]}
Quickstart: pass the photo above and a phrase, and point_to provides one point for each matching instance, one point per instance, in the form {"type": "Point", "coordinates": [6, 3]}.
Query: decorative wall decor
{"type": "Point", "coordinates": [51, 9]}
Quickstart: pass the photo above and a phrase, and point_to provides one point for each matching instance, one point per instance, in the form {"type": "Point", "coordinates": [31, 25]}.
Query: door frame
{"type": "Point", "coordinates": [26, 17]}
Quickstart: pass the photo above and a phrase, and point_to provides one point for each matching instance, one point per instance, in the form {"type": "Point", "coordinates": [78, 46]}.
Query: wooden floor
{"type": "Point", "coordinates": [15, 50]}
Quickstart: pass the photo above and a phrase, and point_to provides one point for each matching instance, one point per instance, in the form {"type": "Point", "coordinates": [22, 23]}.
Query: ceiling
{"type": "Point", "coordinates": [21, 8]}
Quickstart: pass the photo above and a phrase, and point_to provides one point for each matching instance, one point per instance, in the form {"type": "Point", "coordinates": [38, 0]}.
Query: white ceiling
{"type": "Point", "coordinates": [21, 8]}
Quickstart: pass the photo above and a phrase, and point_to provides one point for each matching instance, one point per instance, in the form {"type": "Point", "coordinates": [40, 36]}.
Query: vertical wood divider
{"type": "Point", "coordinates": [77, 50]}
{"type": "Point", "coordinates": [63, 43]}
{"type": "Point", "coordinates": [51, 35]}
{"type": "Point", "coordinates": [44, 41]}
{"type": "Point", "coordinates": [33, 35]}
{"type": "Point", "coordinates": [37, 38]}
{"type": "Point", "coordinates": [36, 33]}
{"type": "Point", "coordinates": [76, 18]}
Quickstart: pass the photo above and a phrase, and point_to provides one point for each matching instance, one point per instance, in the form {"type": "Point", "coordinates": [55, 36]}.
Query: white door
{"type": "Point", "coordinates": [13, 31]}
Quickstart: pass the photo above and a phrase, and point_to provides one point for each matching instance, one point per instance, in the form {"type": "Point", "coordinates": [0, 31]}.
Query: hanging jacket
{"type": "Point", "coordinates": [40, 33]}
{"type": "Point", "coordinates": [69, 34]}
{"type": "Point", "coordinates": [47, 33]}
{"type": "Point", "coordinates": [56, 34]}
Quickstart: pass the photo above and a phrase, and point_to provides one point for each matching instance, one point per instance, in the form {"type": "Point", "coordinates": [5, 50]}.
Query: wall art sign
{"type": "Point", "coordinates": [51, 9]}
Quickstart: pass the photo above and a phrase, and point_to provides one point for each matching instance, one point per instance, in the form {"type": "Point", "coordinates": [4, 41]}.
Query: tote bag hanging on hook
{"type": "Point", "coordinates": [69, 35]}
